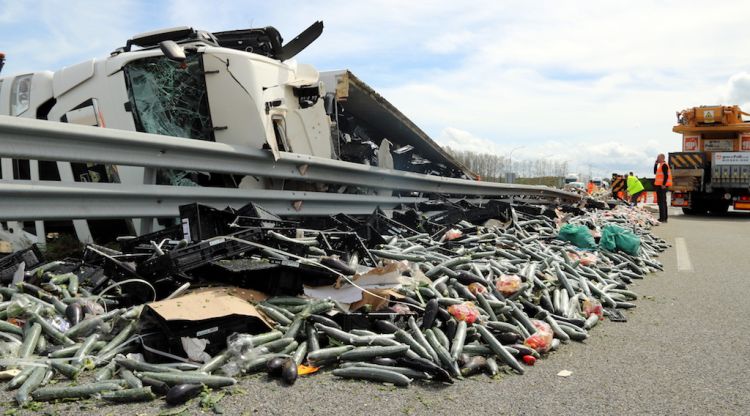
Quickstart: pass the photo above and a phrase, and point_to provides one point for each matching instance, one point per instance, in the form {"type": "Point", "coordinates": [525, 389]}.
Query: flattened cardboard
{"type": "Point", "coordinates": [210, 303]}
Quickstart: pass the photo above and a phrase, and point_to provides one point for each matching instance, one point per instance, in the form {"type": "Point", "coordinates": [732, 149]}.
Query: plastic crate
{"type": "Point", "coordinates": [31, 256]}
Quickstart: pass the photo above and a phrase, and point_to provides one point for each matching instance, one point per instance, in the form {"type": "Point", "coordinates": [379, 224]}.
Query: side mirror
{"type": "Point", "coordinates": [172, 51]}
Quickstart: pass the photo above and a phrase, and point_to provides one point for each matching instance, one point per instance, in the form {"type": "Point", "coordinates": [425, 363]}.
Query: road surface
{"type": "Point", "coordinates": [684, 350]}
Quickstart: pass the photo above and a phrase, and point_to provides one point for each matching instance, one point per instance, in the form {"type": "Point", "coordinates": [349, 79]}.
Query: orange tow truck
{"type": "Point", "coordinates": [712, 173]}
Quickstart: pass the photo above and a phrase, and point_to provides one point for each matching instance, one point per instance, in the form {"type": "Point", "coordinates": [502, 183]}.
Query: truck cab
{"type": "Point", "coordinates": [238, 87]}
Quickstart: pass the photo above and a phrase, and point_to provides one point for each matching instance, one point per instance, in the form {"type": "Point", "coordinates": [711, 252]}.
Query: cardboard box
{"type": "Point", "coordinates": [211, 313]}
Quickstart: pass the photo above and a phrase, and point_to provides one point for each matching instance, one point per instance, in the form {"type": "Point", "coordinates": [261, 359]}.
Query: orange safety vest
{"type": "Point", "coordinates": [659, 179]}
{"type": "Point", "coordinates": [590, 188]}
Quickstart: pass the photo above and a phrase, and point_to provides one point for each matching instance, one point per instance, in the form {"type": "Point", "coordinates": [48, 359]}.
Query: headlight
{"type": "Point", "coordinates": [20, 94]}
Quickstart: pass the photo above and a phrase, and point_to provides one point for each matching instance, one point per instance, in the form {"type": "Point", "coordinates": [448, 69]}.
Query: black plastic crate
{"type": "Point", "coordinates": [143, 243]}
{"type": "Point", "coordinates": [9, 264]}
{"type": "Point", "coordinates": [196, 255]}
{"type": "Point", "coordinates": [201, 222]}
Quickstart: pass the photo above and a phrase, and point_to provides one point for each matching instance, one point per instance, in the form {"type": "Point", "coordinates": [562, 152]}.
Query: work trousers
{"type": "Point", "coordinates": [635, 196]}
{"type": "Point", "coordinates": [661, 199]}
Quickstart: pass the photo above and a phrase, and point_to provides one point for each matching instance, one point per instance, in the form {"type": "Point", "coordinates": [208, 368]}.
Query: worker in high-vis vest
{"type": "Point", "coordinates": [635, 188]}
{"type": "Point", "coordinates": [662, 182]}
{"type": "Point", "coordinates": [591, 187]}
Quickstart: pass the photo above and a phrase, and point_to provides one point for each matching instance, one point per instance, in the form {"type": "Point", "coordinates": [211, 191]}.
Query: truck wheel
{"type": "Point", "coordinates": [688, 211]}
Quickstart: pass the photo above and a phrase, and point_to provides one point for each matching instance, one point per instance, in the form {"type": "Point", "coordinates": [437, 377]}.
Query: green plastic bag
{"type": "Point", "coordinates": [579, 235]}
{"type": "Point", "coordinates": [615, 237]}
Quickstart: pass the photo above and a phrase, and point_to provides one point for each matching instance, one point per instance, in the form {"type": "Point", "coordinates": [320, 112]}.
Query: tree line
{"type": "Point", "coordinates": [493, 168]}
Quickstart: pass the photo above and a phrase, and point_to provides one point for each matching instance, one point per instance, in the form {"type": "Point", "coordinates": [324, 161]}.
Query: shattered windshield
{"type": "Point", "coordinates": [170, 98]}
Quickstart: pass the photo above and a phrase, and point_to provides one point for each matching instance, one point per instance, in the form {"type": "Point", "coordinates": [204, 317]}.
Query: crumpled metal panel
{"type": "Point", "coordinates": [381, 118]}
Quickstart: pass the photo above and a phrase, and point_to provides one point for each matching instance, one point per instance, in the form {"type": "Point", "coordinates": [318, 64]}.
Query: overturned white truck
{"type": "Point", "coordinates": [238, 87]}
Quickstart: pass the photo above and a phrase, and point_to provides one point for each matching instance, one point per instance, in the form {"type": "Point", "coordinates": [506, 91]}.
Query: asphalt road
{"type": "Point", "coordinates": [684, 350]}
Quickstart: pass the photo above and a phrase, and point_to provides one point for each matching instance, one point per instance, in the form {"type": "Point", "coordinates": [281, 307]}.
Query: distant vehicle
{"type": "Point", "coordinates": [597, 181]}
{"type": "Point", "coordinates": [574, 186]}
{"type": "Point", "coordinates": [571, 177]}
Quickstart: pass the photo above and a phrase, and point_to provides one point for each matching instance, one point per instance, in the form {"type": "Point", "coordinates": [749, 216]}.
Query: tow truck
{"type": "Point", "coordinates": [712, 172]}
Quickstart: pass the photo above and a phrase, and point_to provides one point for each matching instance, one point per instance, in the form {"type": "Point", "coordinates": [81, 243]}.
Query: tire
{"type": "Point", "coordinates": [688, 211]}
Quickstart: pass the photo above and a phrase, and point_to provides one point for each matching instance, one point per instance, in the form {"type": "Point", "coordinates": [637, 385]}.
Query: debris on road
{"type": "Point", "coordinates": [435, 292]}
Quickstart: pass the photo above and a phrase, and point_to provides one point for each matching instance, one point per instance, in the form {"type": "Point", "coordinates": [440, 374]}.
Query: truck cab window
{"type": "Point", "coordinates": [169, 98]}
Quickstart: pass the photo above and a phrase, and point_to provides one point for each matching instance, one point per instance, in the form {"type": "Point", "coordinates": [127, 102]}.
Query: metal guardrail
{"type": "Point", "coordinates": [30, 200]}
{"type": "Point", "coordinates": [42, 140]}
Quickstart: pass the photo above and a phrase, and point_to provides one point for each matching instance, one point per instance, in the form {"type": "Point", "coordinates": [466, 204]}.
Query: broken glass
{"type": "Point", "coordinates": [169, 98]}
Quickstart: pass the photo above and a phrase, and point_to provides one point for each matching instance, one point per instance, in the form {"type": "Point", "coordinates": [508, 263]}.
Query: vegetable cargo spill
{"type": "Point", "coordinates": [430, 293]}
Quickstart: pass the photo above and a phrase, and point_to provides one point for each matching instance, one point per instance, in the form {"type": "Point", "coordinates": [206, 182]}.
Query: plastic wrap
{"type": "Point", "coordinates": [508, 284]}
{"type": "Point", "coordinates": [541, 341]}
{"type": "Point", "coordinates": [466, 311]}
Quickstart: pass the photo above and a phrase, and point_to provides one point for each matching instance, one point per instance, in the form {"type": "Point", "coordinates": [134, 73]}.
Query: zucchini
{"type": "Point", "coordinates": [408, 372]}
{"type": "Point", "coordinates": [140, 394]}
{"type": "Point", "coordinates": [21, 377]}
{"type": "Point", "coordinates": [458, 341]}
{"type": "Point", "coordinates": [368, 353]}
{"type": "Point", "coordinates": [84, 327]}
{"type": "Point", "coordinates": [312, 339]}
{"type": "Point", "coordinates": [324, 355]}
{"type": "Point", "coordinates": [386, 327]}
{"type": "Point", "coordinates": [486, 306]}
{"type": "Point", "coordinates": [46, 394]}
{"type": "Point", "coordinates": [10, 328]}
{"type": "Point", "coordinates": [32, 382]}
{"type": "Point", "coordinates": [427, 366]}
{"type": "Point", "coordinates": [174, 379]}
{"type": "Point", "coordinates": [118, 339]}
{"type": "Point", "coordinates": [419, 337]}
{"type": "Point", "coordinates": [373, 374]}
{"type": "Point", "coordinates": [130, 378]}
{"type": "Point", "coordinates": [430, 313]}
{"type": "Point", "coordinates": [591, 321]}
{"type": "Point", "coordinates": [404, 337]}
{"type": "Point", "coordinates": [274, 314]}
{"type": "Point", "coordinates": [300, 353]}
{"type": "Point", "coordinates": [66, 369]}
{"type": "Point", "coordinates": [320, 319]}
{"type": "Point", "coordinates": [498, 348]}
{"type": "Point", "coordinates": [492, 367]}
{"type": "Point", "coordinates": [106, 372]}
{"type": "Point", "coordinates": [215, 362]}
{"type": "Point", "coordinates": [30, 339]}
{"type": "Point", "coordinates": [134, 365]}
{"type": "Point", "coordinates": [86, 348]}
{"type": "Point", "coordinates": [337, 334]}
{"type": "Point", "coordinates": [443, 354]}
{"type": "Point", "coordinates": [477, 349]}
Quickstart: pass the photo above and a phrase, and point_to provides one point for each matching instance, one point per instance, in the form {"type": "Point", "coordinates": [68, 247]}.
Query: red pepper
{"type": "Point", "coordinates": [529, 359]}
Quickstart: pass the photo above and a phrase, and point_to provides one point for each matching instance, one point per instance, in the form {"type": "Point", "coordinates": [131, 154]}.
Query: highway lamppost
{"type": "Point", "coordinates": [509, 174]}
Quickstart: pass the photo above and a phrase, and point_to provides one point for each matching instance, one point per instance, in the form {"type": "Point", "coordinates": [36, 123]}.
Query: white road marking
{"type": "Point", "coordinates": [683, 258]}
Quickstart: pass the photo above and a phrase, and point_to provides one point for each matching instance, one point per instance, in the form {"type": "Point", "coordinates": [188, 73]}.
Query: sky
{"type": "Point", "coordinates": [593, 83]}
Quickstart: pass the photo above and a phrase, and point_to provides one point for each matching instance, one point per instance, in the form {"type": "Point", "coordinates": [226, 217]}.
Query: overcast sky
{"type": "Point", "coordinates": [594, 83]}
